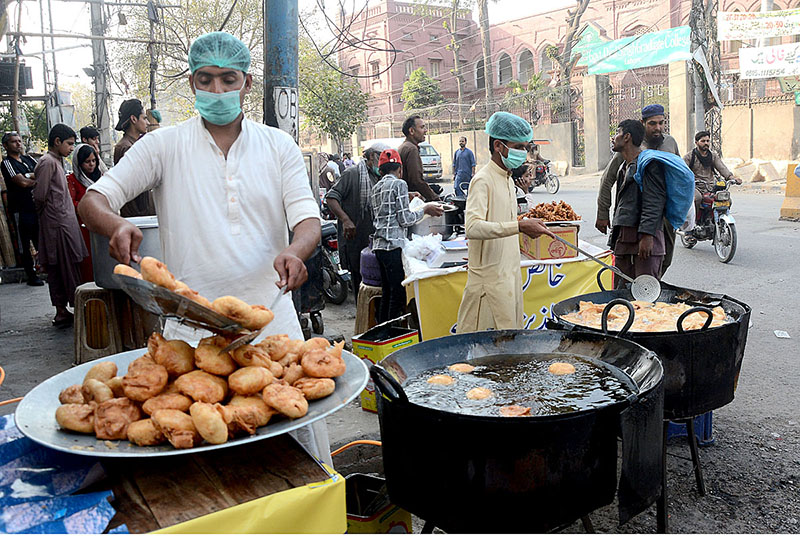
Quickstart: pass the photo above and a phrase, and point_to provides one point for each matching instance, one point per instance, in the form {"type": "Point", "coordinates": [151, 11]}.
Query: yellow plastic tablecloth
{"type": "Point", "coordinates": [317, 508]}
{"type": "Point", "coordinates": [544, 283]}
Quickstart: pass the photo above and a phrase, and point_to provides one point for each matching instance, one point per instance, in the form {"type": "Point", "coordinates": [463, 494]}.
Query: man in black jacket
{"type": "Point", "coordinates": [638, 234]}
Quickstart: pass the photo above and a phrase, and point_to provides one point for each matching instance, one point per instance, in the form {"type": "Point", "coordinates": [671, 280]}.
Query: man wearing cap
{"type": "Point", "coordinates": [654, 123]}
{"type": "Point", "coordinates": [348, 199]}
{"type": "Point", "coordinates": [228, 191]}
{"type": "Point", "coordinates": [493, 295]}
{"type": "Point", "coordinates": [133, 122]}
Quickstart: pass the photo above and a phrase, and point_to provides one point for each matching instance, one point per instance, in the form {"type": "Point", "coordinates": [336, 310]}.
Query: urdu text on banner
{"type": "Point", "coordinates": [736, 26]}
{"type": "Point", "coordinates": [656, 48]}
{"type": "Point", "coordinates": [769, 62]}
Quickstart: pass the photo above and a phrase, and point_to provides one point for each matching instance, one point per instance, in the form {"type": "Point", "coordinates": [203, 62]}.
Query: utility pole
{"type": "Point", "coordinates": [101, 95]}
{"type": "Point", "coordinates": [15, 100]}
{"type": "Point", "coordinates": [281, 66]}
{"type": "Point", "coordinates": [697, 23]}
{"type": "Point", "coordinates": [152, 16]}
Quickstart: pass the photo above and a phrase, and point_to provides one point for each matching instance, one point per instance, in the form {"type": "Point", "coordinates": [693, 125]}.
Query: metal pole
{"type": "Point", "coordinates": [15, 101]}
{"type": "Point", "coordinates": [281, 65]}
{"type": "Point", "coordinates": [45, 76]}
{"type": "Point", "coordinates": [152, 15]}
{"type": "Point", "coordinates": [55, 69]}
{"type": "Point", "coordinates": [697, 23]}
{"type": "Point", "coordinates": [100, 88]}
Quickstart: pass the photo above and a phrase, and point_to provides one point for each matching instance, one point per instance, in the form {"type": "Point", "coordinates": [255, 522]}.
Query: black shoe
{"type": "Point", "coordinates": [63, 322]}
{"type": "Point", "coordinates": [35, 282]}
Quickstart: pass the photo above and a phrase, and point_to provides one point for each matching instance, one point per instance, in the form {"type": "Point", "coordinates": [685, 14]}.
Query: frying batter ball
{"type": "Point", "coordinates": [250, 380]}
{"type": "Point", "coordinates": [193, 295]}
{"type": "Point", "coordinates": [76, 417]}
{"type": "Point", "coordinates": [144, 381]}
{"type": "Point", "coordinates": [315, 388]}
{"type": "Point", "coordinates": [463, 368]}
{"type": "Point", "coordinates": [124, 269]}
{"type": "Point", "coordinates": [145, 434]}
{"type": "Point", "coordinates": [115, 384]}
{"type": "Point", "coordinates": [275, 345]}
{"type": "Point", "coordinates": [167, 401]}
{"type": "Point", "coordinates": [251, 317]}
{"type": "Point", "coordinates": [441, 379]}
{"type": "Point", "coordinates": [251, 356]}
{"type": "Point", "coordinates": [560, 369]}
{"type": "Point", "coordinates": [96, 391]}
{"type": "Point", "coordinates": [262, 411]}
{"type": "Point", "coordinates": [515, 411]}
{"type": "Point", "coordinates": [146, 359]}
{"type": "Point", "coordinates": [209, 423]}
{"type": "Point", "coordinates": [292, 373]}
{"type": "Point", "coordinates": [178, 427]}
{"type": "Point", "coordinates": [175, 356]}
{"type": "Point", "coordinates": [156, 272]}
{"type": "Point", "coordinates": [241, 419]}
{"type": "Point", "coordinates": [314, 343]}
{"type": "Point", "coordinates": [294, 351]}
{"type": "Point", "coordinates": [207, 357]}
{"type": "Point", "coordinates": [112, 418]}
{"type": "Point", "coordinates": [102, 371]}
{"type": "Point", "coordinates": [321, 364]}
{"type": "Point", "coordinates": [202, 386]}
{"type": "Point", "coordinates": [479, 393]}
{"type": "Point", "coordinates": [72, 395]}
{"type": "Point", "coordinates": [260, 317]}
{"type": "Point", "coordinates": [286, 399]}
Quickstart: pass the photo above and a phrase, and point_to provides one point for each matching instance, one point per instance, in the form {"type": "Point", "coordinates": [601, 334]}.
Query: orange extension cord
{"type": "Point", "coordinates": [2, 379]}
{"type": "Point", "coordinates": [354, 443]}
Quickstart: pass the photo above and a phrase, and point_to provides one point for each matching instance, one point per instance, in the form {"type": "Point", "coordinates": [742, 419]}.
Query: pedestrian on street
{"type": "Point", "coordinates": [654, 122]}
{"type": "Point", "coordinates": [414, 130]}
{"type": "Point", "coordinates": [61, 246]}
{"type": "Point", "coordinates": [348, 161]}
{"type": "Point", "coordinates": [133, 123]}
{"type": "Point", "coordinates": [86, 173]}
{"type": "Point", "coordinates": [392, 216]}
{"type": "Point", "coordinates": [493, 295]}
{"type": "Point", "coordinates": [349, 201]}
{"type": "Point", "coordinates": [17, 169]}
{"type": "Point", "coordinates": [229, 191]}
{"type": "Point", "coordinates": [704, 163]}
{"type": "Point", "coordinates": [639, 213]}
{"type": "Point", "coordinates": [90, 135]}
{"type": "Point", "coordinates": [463, 165]}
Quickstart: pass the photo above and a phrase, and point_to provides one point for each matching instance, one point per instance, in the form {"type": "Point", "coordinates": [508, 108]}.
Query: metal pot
{"type": "Point", "coordinates": [435, 224]}
{"type": "Point", "coordinates": [476, 474]}
{"type": "Point", "coordinates": [701, 367]}
{"type": "Point", "coordinates": [103, 263]}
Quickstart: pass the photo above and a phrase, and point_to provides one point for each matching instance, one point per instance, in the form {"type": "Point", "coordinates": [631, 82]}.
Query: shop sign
{"type": "Point", "coordinates": [656, 48]}
{"type": "Point", "coordinates": [736, 26]}
{"type": "Point", "coordinates": [769, 62]}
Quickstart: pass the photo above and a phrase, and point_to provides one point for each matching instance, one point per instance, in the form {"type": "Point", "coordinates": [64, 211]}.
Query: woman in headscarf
{"type": "Point", "coordinates": [86, 173]}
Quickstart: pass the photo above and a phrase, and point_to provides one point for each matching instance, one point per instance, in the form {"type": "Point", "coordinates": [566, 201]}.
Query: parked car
{"type": "Point", "coordinates": [431, 162]}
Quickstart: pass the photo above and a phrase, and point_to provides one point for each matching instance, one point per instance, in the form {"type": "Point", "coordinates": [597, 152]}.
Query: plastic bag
{"type": "Point", "coordinates": [428, 249]}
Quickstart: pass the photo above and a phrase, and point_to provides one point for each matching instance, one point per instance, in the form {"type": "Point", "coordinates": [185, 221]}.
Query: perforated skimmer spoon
{"type": "Point", "coordinates": [644, 288]}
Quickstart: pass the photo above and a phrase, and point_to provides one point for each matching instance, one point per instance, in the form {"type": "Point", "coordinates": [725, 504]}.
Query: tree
{"type": "Point", "coordinates": [421, 91]}
{"type": "Point", "coordinates": [483, 23]}
{"type": "Point", "coordinates": [329, 101]}
{"type": "Point", "coordinates": [83, 101]}
{"type": "Point", "coordinates": [37, 123]}
{"type": "Point", "coordinates": [563, 57]}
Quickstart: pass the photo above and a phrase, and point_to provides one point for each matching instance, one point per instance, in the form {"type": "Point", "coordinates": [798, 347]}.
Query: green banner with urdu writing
{"type": "Point", "coordinates": [656, 48]}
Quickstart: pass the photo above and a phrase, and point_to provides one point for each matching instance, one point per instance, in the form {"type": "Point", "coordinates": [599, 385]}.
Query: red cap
{"type": "Point", "coordinates": [389, 156]}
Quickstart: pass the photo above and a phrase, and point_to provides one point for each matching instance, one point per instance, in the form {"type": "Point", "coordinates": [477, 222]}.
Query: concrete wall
{"type": "Point", "coordinates": [774, 129]}
{"type": "Point", "coordinates": [681, 124]}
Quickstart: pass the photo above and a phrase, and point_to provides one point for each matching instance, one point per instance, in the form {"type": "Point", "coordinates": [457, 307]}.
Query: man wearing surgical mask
{"type": "Point", "coordinates": [227, 192]}
{"type": "Point", "coordinates": [493, 295]}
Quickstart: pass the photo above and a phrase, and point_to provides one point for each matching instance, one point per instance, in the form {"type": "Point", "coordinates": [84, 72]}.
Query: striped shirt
{"type": "Point", "coordinates": [391, 214]}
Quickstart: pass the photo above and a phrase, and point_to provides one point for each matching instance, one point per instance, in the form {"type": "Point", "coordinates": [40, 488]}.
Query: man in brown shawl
{"type": "Point", "coordinates": [61, 246]}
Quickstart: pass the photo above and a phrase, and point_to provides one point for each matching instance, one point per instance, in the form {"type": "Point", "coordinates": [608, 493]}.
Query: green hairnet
{"type": "Point", "coordinates": [510, 127]}
{"type": "Point", "coordinates": [219, 49]}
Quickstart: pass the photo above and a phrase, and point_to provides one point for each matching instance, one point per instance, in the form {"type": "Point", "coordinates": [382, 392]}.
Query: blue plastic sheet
{"type": "Point", "coordinates": [38, 485]}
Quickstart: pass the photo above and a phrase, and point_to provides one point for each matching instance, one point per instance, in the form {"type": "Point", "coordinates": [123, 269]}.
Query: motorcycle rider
{"type": "Point", "coordinates": [704, 163]}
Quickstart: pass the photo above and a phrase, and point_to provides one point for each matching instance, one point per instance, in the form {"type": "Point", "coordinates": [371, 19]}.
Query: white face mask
{"type": "Point", "coordinates": [219, 108]}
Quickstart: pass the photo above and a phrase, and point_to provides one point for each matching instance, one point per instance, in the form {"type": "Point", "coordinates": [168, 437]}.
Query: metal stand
{"type": "Point", "coordinates": [698, 470]}
{"type": "Point", "coordinates": [662, 516]}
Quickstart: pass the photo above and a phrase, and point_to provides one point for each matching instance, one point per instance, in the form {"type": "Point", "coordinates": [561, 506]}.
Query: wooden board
{"type": "Point", "coordinates": [155, 493]}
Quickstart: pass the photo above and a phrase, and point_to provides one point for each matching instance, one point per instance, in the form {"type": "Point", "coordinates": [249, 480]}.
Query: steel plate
{"type": "Point", "coordinates": [163, 302]}
{"type": "Point", "coordinates": [35, 415]}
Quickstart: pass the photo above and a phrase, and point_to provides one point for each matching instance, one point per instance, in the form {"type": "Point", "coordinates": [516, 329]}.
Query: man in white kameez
{"type": "Point", "coordinates": [227, 192]}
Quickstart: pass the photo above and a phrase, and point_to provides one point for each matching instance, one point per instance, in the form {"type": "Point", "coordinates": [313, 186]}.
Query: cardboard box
{"type": "Point", "coordinates": [375, 344]}
{"type": "Point", "coordinates": [545, 248]}
{"type": "Point", "coordinates": [369, 510]}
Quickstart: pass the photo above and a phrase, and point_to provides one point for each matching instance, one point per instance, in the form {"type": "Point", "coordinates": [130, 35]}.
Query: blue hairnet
{"type": "Point", "coordinates": [219, 49]}
{"type": "Point", "coordinates": [510, 127]}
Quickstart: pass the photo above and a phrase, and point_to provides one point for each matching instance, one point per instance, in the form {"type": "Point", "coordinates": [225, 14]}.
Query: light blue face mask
{"type": "Point", "coordinates": [515, 158]}
{"type": "Point", "coordinates": [218, 108]}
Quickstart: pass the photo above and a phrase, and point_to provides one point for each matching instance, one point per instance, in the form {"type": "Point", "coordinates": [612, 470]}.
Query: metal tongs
{"type": "Point", "coordinates": [643, 288]}
{"type": "Point", "coordinates": [247, 338]}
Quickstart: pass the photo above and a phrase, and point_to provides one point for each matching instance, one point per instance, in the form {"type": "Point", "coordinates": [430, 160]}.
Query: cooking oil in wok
{"type": "Point", "coordinates": [524, 380]}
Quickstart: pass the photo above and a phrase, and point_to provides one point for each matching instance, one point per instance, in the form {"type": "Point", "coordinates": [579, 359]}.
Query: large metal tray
{"type": "Point", "coordinates": [165, 303]}
{"type": "Point", "coordinates": [35, 415]}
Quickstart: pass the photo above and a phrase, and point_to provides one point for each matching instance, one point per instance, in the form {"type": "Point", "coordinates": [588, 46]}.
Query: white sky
{"type": "Point", "coordinates": [73, 17]}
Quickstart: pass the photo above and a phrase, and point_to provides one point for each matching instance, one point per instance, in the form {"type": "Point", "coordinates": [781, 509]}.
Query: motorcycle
{"type": "Point", "coordinates": [336, 280]}
{"type": "Point", "coordinates": [543, 175]}
{"type": "Point", "coordinates": [715, 222]}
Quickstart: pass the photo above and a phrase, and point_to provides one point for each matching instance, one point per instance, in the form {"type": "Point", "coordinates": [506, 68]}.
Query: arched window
{"type": "Point", "coordinates": [504, 70]}
{"type": "Point", "coordinates": [525, 66]}
{"type": "Point", "coordinates": [480, 76]}
{"type": "Point", "coordinates": [545, 65]}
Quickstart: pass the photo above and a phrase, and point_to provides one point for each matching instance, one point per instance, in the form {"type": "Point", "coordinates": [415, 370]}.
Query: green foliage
{"type": "Point", "coordinates": [329, 101]}
{"type": "Point", "coordinates": [421, 91]}
{"type": "Point", "coordinates": [37, 122]}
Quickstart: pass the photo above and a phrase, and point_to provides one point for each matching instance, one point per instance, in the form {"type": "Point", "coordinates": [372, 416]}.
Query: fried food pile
{"type": "Point", "coordinates": [252, 317]}
{"type": "Point", "coordinates": [649, 317]}
{"type": "Point", "coordinates": [552, 211]}
{"type": "Point", "coordinates": [184, 395]}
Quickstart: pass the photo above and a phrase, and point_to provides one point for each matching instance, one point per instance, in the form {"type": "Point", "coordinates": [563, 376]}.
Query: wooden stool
{"type": "Point", "coordinates": [97, 331]}
{"type": "Point", "coordinates": [366, 310]}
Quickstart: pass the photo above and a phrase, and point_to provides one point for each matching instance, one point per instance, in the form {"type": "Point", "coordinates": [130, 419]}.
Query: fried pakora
{"type": "Point", "coordinates": [552, 211]}
{"type": "Point", "coordinates": [249, 316]}
{"type": "Point", "coordinates": [561, 369]}
{"type": "Point", "coordinates": [315, 388]}
{"type": "Point", "coordinates": [209, 423]}
{"type": "Point", "coordinates": [96, 391]}
{"type": "Point", "coordinates": [156, 272]}
{"type": "Point", "coordinates": [144, 381]}
{"type": "Point", "coordinates": [250, 380]}
{"type": "Point", "coordinates": [286, 400]}
{"type": "Point", "coordinates": [178, 427]}
{"type": "Point", "coordinates": [145, 434]}
{"type": "Point", "coordinates": [211, 358]}
{"type": "Point", "coordinates": [175, 356]}
{"type": "Point", "coordinates": [167, 401]}
{"type": "Point", "coordinates": [262, 411]}
{"type": "Point", "coordinates": [76, 417]}
{"type": "Point", "coordinates": [193, 295]}
{"type": "Point", "coordinates": [103, 371]}
{"type": "Point", "coordinates": [292, 373]}
{"type": "Point", "coordinates": [72, 395]}
{"type": "Point", "coordinates": [463, 368]}
{"type": "Point", "coordinates": [441, 379]}
{"type": "Point", "coordinates": [479, 393]}
{"type": "Point", "coordinates": [115, 384]}
{"type": "Point", "coordinates": [648, 317]}
{"type": "Point", "coordinates": [202, 386]}
{"type": "Point", "coordinates": [251, 356]}
{"type": "Point", "coordinates": [112, 418]}
{"type": "Point", "coordinates": [124, 269]}
{"type": "Point", "coordinates": [321, 364]}
{"type": "Point", "coordinates": [515, 411]}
